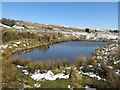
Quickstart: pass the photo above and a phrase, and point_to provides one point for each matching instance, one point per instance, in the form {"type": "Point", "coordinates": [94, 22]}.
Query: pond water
{"type": "Point", "coordinates": [64, 51]}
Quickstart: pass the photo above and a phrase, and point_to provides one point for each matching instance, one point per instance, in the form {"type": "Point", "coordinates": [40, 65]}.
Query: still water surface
{"type": "Point", "coordinates": [64, 51]}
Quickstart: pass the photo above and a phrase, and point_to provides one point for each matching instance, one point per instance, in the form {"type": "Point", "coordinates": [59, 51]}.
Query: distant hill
{"type": "Point", "coordinates": [17, 24]}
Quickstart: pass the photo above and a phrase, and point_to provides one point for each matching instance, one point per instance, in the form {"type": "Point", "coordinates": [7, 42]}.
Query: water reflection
{"type": "Point", "coordinates": [63, 51]}
{"type": "Point", "coordinates": [44, 49]}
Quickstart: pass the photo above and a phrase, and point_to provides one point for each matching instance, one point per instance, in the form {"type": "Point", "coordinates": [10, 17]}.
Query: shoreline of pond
{"type": "Point", "coordinates": [9, 53]}
{"type": "Point", "coordinates": [56, 58]}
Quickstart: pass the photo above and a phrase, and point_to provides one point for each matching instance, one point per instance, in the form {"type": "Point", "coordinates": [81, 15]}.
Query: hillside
{"type": "Point", "coordinates": [55, 30]}
{"type": "Point", "coordinates": [101, 70]}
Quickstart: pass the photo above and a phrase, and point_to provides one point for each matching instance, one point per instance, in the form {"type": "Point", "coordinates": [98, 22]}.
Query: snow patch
{"type": "Point", "coordinates": [15, 45]}
{"type": "Point", "coordinates": [26, 86]}
{"type": "Point", "coordinates": [117, 72]}
{"type": "Point", "coordinates": [37, 85]}
{"type": "Point", "coordinates": [18, 27]}
{"type": "Point", "coordinates": [25, 72]}
{"type": "Point", "coordinates": [90, 74]}
{"type": "Point", "coordinates": [89, 88]}
{"type": "Point", "coordinates": [110, 67]}
{"type": "Point", "coordinates": [48, 76]}
{"type": "Point", "coordinates": [90, 66]}
{"type": "Point", "coordinates": [67, 67]}
{"type": "Point", "coordinates": [117, 62]}
{"type": "Point", "coordinates": [2, 25]}
{"type": "Point", "coordinates": [69, 86]}
{"type": "Point", "coordinates": [19, 66]}
{"type": "Point", "coordinates": [75, 68]}
{"type": "Point", "coordinates": [18, 42]}
{"type": "Point", "coordinates": [3, 46]}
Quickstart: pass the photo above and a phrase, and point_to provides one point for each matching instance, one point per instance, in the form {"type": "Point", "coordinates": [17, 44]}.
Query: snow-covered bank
{"type": "Point", "coordinates": [103, 52]}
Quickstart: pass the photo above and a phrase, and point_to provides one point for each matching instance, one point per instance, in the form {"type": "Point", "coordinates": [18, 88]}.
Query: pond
{"type": "Point", "coordinates": [63, 51]}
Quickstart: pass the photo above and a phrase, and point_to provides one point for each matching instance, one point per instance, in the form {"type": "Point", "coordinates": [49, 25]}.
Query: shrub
{"type": "Point", "coordinates": [57, 64]}
{"type": "Point", "coordinates": [118, 53]}
{"type": "Point", "coordinates": [100, 84]}
{"type": "Point", "coordinates": [87, 30]}
{"type": "Point", "coordinates": [81, 61]}
{"type": "Point", "coordinates": [35, 66]}
{"type": "Point", "coordinates": [65, 63]}
{"type": "Point", "coordinates": [23, 62]}
{"type": "Point", "coordinates": [45, 38]}
{"type": "Point", "coordinates": [48, 65]}
{"type": "Point", "coordinates": [91, 61]}
{"type": "Point", "coordinates": [86, 69]}
{"type": "Point", "coordinates": [10, 75]}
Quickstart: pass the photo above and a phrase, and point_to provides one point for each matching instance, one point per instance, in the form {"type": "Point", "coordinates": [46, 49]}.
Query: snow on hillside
{"type": "Point", "coordinates": [5, 26]}
{"type": "Point", "coordinates": [18, 27]}
{"type": "Point", "coordinates": [15, 26]}
{"type": "Point", "coordinates": [94, 36]}
{"type": "Point", "coordinates": [100, 34]}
